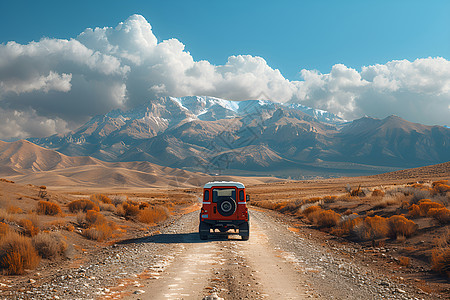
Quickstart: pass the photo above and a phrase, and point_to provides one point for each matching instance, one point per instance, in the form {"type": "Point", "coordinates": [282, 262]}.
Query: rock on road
{"type": "Point", "coordinates": [275, 263]}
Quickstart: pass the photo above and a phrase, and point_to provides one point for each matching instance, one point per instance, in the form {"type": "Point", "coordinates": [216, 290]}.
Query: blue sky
{"type": "Point", "coordinates": [289, 35]}
{"type": "Point", "coordinates": [63, 62]}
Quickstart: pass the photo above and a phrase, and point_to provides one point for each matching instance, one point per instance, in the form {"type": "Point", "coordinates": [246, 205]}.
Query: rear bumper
{"type": "Point", "coordinates": [225, 223]}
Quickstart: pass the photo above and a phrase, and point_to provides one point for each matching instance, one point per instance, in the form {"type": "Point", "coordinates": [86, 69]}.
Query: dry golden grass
{"type": "Point", "coordinates": [426, 204]}
{"type": "Point", "coordinates": [4, 215]}
{"type": "Point", "coordinates": [154, 214]}
{"type": "Point", "coordinates": [128, 209]}
{"type": "Point", "coordinates": [267, 204]}
{"type": "Point", "coordinates": [97, 226]}
{"type": "Point", "coordinates": [401, 226]}
{"type": "Point", "coordinates": [346, 227]}
{"type": "Point", "coordinates": [82, 205]}
{"type": "Point", "coordinates": [324, 218]}
{"type": "Point", "coordinates": [372, 228]}
{"type": "Point", "coordinates": [311, 209]}
{"type": "Point", "coordinates": [414, 211]}
{"type": "Point", "coordinates": [440, 187]}
{"type": "Point", "coordinates": [143, 205]}
{"type": "Point", "coordinates": [106, 207]}
{"type": "Point", "coordinates": [329, 199]}
{"type": "Point", "coordinates": [377, 193]}
{"type": "Point", "coordinates": [17, 253]}
{"type": "Point", "coordinates": [48, 208]}
{"type": "Point", "coordinates": [443, 240]}
{"type": "Point", "coordinates": [70, 227]}
{"type": "Point", "coordinates": [50, 245]}
{"type": "Point", "coordinates": [12, 209]}
{"type": "Point", "coordinates": [29, 228]}
{"type": "Point", "coordinates": [4, 228]}
{"type": "Point", "coordinates": [55, 224]}
{"type": "Point", "coordinates": [442, 215]}
{"type": "Point", "coordinates": [99, 232]}
{"type": "Point", "coordinates": [93, 217]}
{"type": "Point", "coordinates": [404, 261]}
{"type": "Point", "coordinates": [101, 198]}
{"type": "Point", "coordinates": [440, 260]}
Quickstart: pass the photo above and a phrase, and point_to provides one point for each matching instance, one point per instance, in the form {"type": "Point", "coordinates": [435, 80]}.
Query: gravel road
{"type": "Point", "coordinates": [276, 263]}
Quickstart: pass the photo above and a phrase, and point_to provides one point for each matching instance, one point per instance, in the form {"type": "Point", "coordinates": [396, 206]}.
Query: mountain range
{"type": "Point", "coordinates": [253, 137]}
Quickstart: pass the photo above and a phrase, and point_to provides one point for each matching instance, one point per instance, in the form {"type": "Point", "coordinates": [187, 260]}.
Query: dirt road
{"type": "Point", "coordinates": [276, 263]}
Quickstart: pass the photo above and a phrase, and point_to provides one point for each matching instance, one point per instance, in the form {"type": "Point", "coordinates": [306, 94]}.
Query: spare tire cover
{"type": "Point", "coordinates": [226, 207]}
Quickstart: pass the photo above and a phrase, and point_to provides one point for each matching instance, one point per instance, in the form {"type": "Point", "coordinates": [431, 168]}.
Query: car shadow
{"type": "Point", "coordinates": [179, 238]}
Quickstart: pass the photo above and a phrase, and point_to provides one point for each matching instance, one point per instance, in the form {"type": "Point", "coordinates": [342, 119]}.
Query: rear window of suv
{"type": "Point", "coordinates": [220, 193]}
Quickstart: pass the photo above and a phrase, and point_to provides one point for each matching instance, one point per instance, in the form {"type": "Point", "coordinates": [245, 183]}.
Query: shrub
{"type": "Point", "coordinates": [347, 225]}
{"type": "Point", "coordinates": [347, 212]}
{"type": "Point", "coordinates": [307, 211]}
{"type": "Point", "coordinates": [426, 204]}
{"type": "Point", "coordinates": [130, 209]}
{"type": "Point", "coordinates": [14, 210]}
{"type": "Point", "coordinates": [329, 199]}
{"type": "Point", "coordinates": [94, 217]}
{"type": "Point", "coordinates": [442, 215]}
{"type": "Point", "coordinates": [414, 211]}
{"type": "Point", "coordinates": [439, 182]}
{"type": "Point", "coordinates": [143, 205]}
{"type": "Point", "coordinates": [82, 205]}
{"type": "Point", "coordinates": [404, 261]}
{"type": "Point", "coordinates": [4, 228]}
{"type": "Point", "coordinates": [440, 261]}
{"type": "Point", "coordinates": [120, 211]}
{"type": "Point", "coordinates": [153, 214]}
{"type": "Point", "coordinates": [101, 198]}
{"type": "Point", "coordinates": [70, 227]}
{"type": "Point", "coordinates": [17, 253]}
{"type": "Point", "coordinates": [118, 199]}
{"type": "Point", "coordinates": [377, 193]}
{"type": "Point", "coordinates": [372, 228]}
{"type": "Point", "coordinates": [49, 244]}
{"type": "Point", "coordinates": [29, 228]}
{"type": "Point", "coordinates": [441, 188]}
{"type": "Point", "coordinates": [106, 207]}
{"type": "Point", "coordinates": [48, 208]}
{"type": "Point", "coordinates": [401, 226]}
{"type": "Point", "coordinates": [387, 201]}
{"type": "Point", "coordinates": [99, 232]}
{"type": "Point", "coordinates": [324, 218]}
{"type": "Point", "coordinates": [404, 205]}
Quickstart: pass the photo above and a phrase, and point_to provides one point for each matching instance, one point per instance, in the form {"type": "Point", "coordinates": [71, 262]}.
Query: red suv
{"type": "Point", "coordinates": [224, 207]}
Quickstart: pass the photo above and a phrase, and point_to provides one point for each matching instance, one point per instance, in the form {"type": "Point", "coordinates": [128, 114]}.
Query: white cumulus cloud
{"type": "Point", "coordinates": [418, 91]}
{"type": "Point", "coordinates": [51, 82]}
{"type": "Point", "coordinates": [62, 83]}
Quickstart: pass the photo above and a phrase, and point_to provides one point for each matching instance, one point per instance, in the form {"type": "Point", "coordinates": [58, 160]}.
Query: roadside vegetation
{"type": "Point", "coordinates": [37, 228]}
{"type": "Point", "coordinates": [407, 217]}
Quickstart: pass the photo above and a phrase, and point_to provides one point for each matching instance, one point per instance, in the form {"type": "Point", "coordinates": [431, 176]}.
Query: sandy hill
{"type": "Point", "coordinates": [25, 162]}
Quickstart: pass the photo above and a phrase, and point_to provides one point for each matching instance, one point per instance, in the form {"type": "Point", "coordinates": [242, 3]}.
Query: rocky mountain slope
{"type": "Point", "coordinates": [213, 135]}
